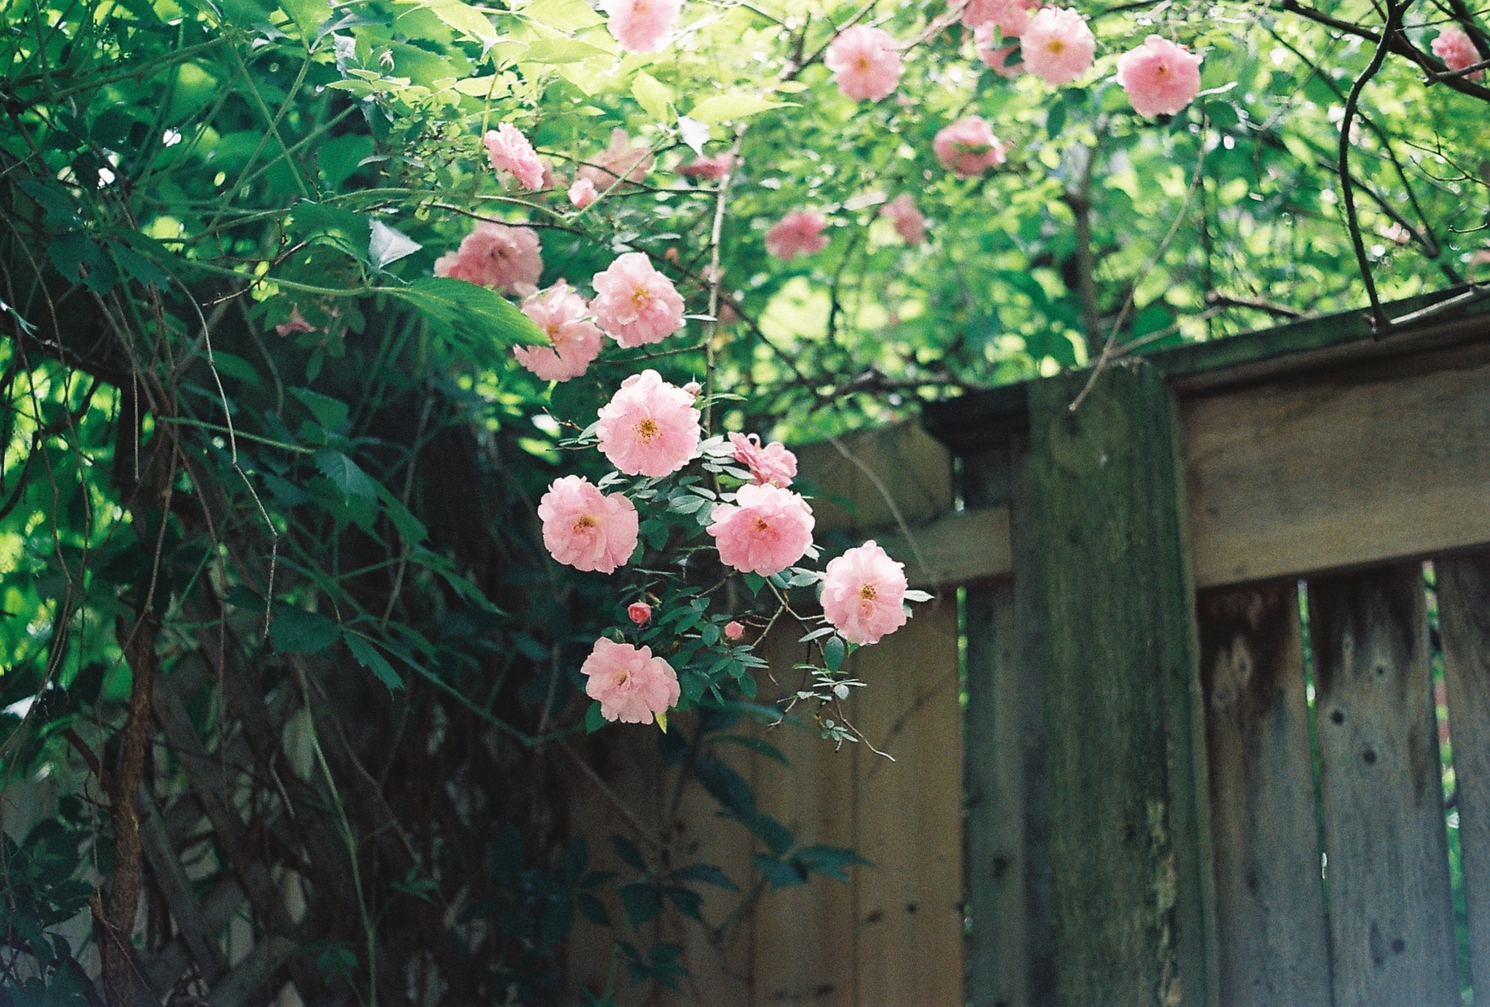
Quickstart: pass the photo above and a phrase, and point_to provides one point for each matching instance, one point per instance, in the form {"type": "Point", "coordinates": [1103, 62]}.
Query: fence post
{"type": "Point", "coordinates": [1128, 841]}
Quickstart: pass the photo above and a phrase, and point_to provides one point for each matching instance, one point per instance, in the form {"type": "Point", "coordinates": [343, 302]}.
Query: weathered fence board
{"type": "Point", "coordinates": [1127, 838]}
{"type": "Point", "coordinates": [1270, 919]}
{"type": "Point", "coordinates": [1464, 621]}
{"type": "Point", "coordinates": [1391, 914]}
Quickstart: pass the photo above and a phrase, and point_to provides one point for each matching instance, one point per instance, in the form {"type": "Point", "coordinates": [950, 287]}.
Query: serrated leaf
{"type": "Point", "coordinates": [387, 245]}
{"type": "Point", "coordinates": [367, 655]}
{"type": "Point", "coordinates": [562, 15]}
{"type": "Point", "coordinates": [555, 51]}
{"type": "Point", "coordinates": [329, 413]}
{"type": "Point", "coordinates": [307, 15]}
{"type": "Point", "coordinates": [478, 87]}
{"type": "Point", "coordinates": [653, 96]}
{"type": "Point", "coordinates": [477, 320]}
{"type": "Point", "coordinates": [295, 630]}
{"type": "Point", "coordinates": [462, 18]}
{"type": "Point", "coordinates": [739, 105]}
{"type": "Point", "coordinates": [346, 474]}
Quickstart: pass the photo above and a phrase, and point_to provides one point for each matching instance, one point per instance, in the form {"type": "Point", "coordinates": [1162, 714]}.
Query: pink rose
{"type": "Point", "coordinates": [587, 529]}
{"type": "Point", "coordinates": [649, 427]}
{"type": "Point", "coordinates": [1058, 46]}
{"type": "Point", "coordinates": [733, 630]}
{"type": "Point", "coordinates": [1009, 16]}
{"type": "Point", "coordinates": [865, 62]}
{"type": "Point", "coordinates": [711, 168]}
{"type": "Point", "coordinates": [908, 222]}
{"type": "Point", "coordinates": [968, 147]}
{"type": "Point", "coordinates": [634, 303]}
{"type": "Point", "coordinates": [620, 160]}
{"type": "Point", "coordinates": [863, 594]}
{"type": "Point", "coordinates": [495, 255]}
{"type": "Point", "coordinates": [764, 531]}
{"type": "Point", "coordinates": [1160, 77]}
{"type": "Point", "coordinates": [510, 151]}
{"type": "Point", "coordinates": [1457, 51]}
{"type": "Point", "coordinates": [997, 59]}
{"type": "Point", "coordinates": [639, 612]}
{"type": "Point", "coordinates": [295, 323]}
{"type": "Point", "coordinates": [629, 682]}
{"type": "Point", "coordinates": [641, 25]}
{"type": "Point", "coordinates": [772, 464]}
{"type": "Point", "coordinates": [574, 339]}
{"type": "Point", "coordinates": [798, 233]}
{"type": "Point", "coordinates": [582, 193]}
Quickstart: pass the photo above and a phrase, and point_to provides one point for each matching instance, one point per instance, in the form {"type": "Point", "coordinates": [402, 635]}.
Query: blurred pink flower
{"type": "Point", "coordinates": [968, 147]}
{"type": "Point", "coordinates": [574, 339]}
{"type": "Point", "coordinates": [865, 62]}
{"type": "Point", "coordinates": [294, 324]}
{"type": "Point", "coordinates": [995, 58]}
{"type": "Point", "coordinates": [1457, 51]}
{"type": "Point", "coordinates": [510, 151]}
{"type": "Point", "coordinates": [641, 25]}
{"type": "Point", "coordinates": [772, 464]}
{"type": "Point", "coordinates": [619, 160]}
{"type": "Point", "coordinates": [495, 255]}
{"type": "Point", "coordinates": [733, 630]}
{"type": "Point", "coordinates": [639, 612]}
{"type": "Point", "coordinates": [798, 233]}
{"type": "Point", "coordinates": [711, 168]}
{"type": "Point", "coordinates": [863, 594]}
{"type": "Point", "coordinates": [629, 682]}
{"type": "Point", "coordinates": [649, 427]}
{"type": "Point", "coordinates": [634, 303]}
{"type": "Point", "coordinates": [907, 220]}
{"type": "Point", "coordinates": [582, 193]}
{"type": "Point", "coordinates": [764, 531]}
{"type": "Point", "coordinates": [587, 529]}
{"type": "Point", "coordinates": [1010, 16]}
{"type": "Point", "coordinates": [1160, 77]}
{"type": "Point", "coordinates": [1057, 45]}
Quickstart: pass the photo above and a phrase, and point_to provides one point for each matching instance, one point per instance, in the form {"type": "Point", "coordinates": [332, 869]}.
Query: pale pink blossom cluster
{"type": "Point", "coordinates": [511, 152]}
{"type": "Point", "coordinates": [864, 594]}
{"type": "Point", "coordinates": [968, 147]}
{"type": "Point", "coordinates": [620, 160]}
{"type": "Point", "coordinates": [631, 685]}
{"type": "Point", "coordinates": [907, 220]}
{"type": "Point", "coordinates": [641, 25]}
{"type": "Point", "coordinates": [1160, 77]}
{"type": "Point", "coordinates": [1057, 45]}
{"type": "Point", "coordinates": [495, 255]}
{"type": "Point", "coordinates": [582, 193]}
{"type": "Point", "coordinates": [798, 233]}
{"type": "Point", "coordinates": [711, 168]}
{"type": "Point", "coordinates": [634, 303]}
{"type": "Point", "coordinates": [574, 340]}
{"type": "Point", "coordinates": [649, 427]}
{"type": "Point", "coordinates": [1456, 49]}
{"type": "Point", "coordinates": [772, 464]}
{"type": "Point", "coordinates": [1009, 16]}
{"type": "Point", "coordinates": [764, 531]}
{"type": "Point", "coordinates": [865, 62]}
{"type": "Point", "coordinates": [585, 528]}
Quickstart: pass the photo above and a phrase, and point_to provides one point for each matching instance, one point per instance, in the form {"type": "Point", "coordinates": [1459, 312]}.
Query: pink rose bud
{"type": "Point", "coordinates": [639, 612]}
{"type": "Point", "coordinates": [733, 630]}
{"type": "Point", "coordinates": [693, 388]}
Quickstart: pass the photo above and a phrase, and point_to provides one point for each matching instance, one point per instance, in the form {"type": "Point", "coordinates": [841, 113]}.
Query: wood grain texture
{"type": "Point", "coordinates": [1391, 915]}
{"type": "Point", "coordinates": [1464, 621]}
{"type": "Point", "coordinates": [958, 548]}
{"type": "Point", "coordinates": [1125, 778]}
{"type": "Point", "coordinates": [1363, 466]}
{"type": "Point", "coordinates": [1272, 936]}
{"type": "Point", "coordinates": [908, 815]}
{"type": "Point", "coordinates": [855, 481]}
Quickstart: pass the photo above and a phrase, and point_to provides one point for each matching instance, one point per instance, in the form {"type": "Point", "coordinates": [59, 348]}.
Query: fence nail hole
{"type": "Point", "coordinates": [1399, 946]}
{"type": "Point", "coordinates": [910, 907]}
{"type": "Point", "coordinates": [1369, 756]}
{"type": "Point", "coordinates": [1338, 717]}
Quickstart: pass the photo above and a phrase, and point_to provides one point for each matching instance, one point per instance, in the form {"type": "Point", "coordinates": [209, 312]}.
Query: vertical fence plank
{"type": "Point", "coordinates": [1391, 915]}
{"type": "Point", "coordinates": [1127, 838]}
{"type": "Point", "coordinates": [1272, 936]}
{"type": "Point", "coordinates": [909, 814]}
{"type": "Point", "coordinates": [1464, 620]}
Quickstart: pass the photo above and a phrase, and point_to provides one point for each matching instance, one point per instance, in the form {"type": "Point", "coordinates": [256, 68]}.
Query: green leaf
{"type": "Point", "coordinates": [594, 719]}
{"type": "Point", "coordinates": [834, 652]}
{"type": "Point", "coordinates": [739, 105]}
{"type": "Point", "coordinates": [707, 873]}
{"type": "Point", "coordinates": [346, 474]}
{"type": "Point", "coordinates": [462, 18]}
{"type": "Point", "coordinates": [478, 320]}
{"type": "Point", "coordinates": [307, 15]}
{"type": "Point", "coordinates": [554, 51]}
{"type": "Point", "coordinates": [367, 655]}
{"type": "Point", "coordinates": [329, 413]}
{"type": "Point", "coordinates": [297, 631]}
{"type": "Point", "coordinates": [653, 96]}
{"type": "Point", "coordinates": [562, 15]}
{"type": "Point", "coordinates": [330, 225]}
{"type": "Point", "coordinates": [1055, 118]}
{"type": "Point", "coordinates": [627, 851]}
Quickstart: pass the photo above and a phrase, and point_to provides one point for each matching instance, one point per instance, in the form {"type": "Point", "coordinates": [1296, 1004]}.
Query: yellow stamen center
{"type": "Point", "coordinates": [867, 592]}
{"type": "Point", "coordinates": [647, 429]}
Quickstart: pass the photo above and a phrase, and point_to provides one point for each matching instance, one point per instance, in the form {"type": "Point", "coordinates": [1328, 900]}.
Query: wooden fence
{"type": "Point", "coordinates": [1200, 758]}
